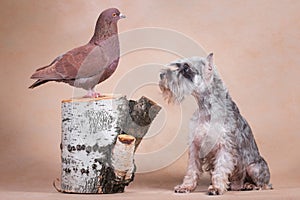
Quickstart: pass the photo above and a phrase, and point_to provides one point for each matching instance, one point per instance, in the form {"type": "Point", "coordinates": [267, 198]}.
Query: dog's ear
{"type": "Point", "coordinates": [210, 59]}
{"type": "Point", "coordinates": [208, 68]}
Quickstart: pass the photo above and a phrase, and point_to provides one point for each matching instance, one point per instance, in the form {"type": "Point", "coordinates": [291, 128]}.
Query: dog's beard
{"type": "Point", "coordinates": [167, 94]}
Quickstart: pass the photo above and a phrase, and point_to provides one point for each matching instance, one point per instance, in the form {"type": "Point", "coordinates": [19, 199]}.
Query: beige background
{"type": "Point", "coordinates": [256, 45]}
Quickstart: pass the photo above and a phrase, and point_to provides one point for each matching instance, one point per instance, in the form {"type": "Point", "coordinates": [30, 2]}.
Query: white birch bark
{"type": "Point", "coordinates": [94, 159]}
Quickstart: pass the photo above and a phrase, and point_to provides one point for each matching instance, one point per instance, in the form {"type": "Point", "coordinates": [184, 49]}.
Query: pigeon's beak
{"type": "Point", "coordinates": [122, 16]}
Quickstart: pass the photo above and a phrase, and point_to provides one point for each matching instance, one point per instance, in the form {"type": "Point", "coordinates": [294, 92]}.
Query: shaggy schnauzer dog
{"type": "Point", "coordinates": [221, 141]}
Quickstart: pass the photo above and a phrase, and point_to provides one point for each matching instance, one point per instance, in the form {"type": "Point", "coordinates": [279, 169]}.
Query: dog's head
{"type": "Point", "coordinates": [186, 76]}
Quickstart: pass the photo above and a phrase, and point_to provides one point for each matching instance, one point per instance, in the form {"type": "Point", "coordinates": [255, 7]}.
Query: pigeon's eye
{"type": "Point", "coordinates": [114, 14]}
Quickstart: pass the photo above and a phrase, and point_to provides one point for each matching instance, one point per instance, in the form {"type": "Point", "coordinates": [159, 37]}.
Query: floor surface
{"type": "Point", "coordinates": [145, 188]}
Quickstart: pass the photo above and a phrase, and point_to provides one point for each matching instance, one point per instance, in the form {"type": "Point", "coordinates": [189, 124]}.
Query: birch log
{"type": "Point", "coordinates": [99, 138]}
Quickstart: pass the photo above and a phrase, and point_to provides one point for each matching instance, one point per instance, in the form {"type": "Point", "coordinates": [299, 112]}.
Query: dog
{"type": "Point", "coordinates": [220, 139]}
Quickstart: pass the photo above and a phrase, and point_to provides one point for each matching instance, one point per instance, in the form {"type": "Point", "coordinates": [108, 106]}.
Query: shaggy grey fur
{"type": "Point", "coordinates": [221, 140]}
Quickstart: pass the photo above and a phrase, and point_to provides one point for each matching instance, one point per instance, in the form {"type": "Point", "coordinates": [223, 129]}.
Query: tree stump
{"type": "Point", "coordinates": [99, 138]}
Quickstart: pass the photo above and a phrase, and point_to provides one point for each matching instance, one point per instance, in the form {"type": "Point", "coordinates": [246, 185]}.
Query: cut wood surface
{"type": "Point", "coordinates": [99, 138]}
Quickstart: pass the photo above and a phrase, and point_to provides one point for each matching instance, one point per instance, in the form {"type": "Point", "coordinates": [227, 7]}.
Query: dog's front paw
{"type": "Point", "coordinates": [214, 191]}
{"type": "Point", "coordinates": [184, 188]}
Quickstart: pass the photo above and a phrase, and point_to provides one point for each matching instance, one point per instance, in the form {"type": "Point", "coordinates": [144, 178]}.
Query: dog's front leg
{"type": "Point", "coordinates": [223, 167]}
{"type": "Point", "coordinates": [193, 172]}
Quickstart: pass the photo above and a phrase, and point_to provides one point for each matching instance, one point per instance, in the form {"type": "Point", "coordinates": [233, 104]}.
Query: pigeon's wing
{"type": "Point", "coordinates": [82, 62]}
{"type": "Point", "coordinates": [47, 72]}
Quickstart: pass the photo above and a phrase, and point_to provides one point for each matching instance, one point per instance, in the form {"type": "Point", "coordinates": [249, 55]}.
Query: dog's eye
{"type": "Point", "coordinates": [186, 68]}
{"type": "Point", "coordinates": [185, 65]}
{"type": "Point", "coordinates": [187, 72]}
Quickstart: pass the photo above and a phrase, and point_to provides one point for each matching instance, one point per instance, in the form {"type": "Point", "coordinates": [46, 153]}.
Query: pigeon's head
{"type": "Point", "coordinates": [112, 15]}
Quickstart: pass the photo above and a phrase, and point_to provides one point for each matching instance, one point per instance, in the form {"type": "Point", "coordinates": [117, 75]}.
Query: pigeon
{"type": "Point", "coordinates": [88, 65]}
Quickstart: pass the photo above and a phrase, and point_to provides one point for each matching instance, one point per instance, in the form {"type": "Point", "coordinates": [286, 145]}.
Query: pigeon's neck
{"type": "Point", "coordinates": [103, 31]}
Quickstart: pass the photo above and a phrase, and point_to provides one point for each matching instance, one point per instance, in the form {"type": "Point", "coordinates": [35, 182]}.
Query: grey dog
{"type": "Point", "coordinates": [220, 139]}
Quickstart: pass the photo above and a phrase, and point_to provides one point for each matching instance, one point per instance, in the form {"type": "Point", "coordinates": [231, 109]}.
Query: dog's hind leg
{"type": "Point", "coordinates": [259, 174]}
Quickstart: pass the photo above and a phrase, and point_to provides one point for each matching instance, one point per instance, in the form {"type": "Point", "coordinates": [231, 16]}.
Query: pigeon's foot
{"type": "Point", "coordinates": [92, 94]}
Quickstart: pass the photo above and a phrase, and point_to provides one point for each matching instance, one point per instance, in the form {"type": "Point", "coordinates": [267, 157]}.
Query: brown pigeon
{"type": "Point", "coordinates": [90, 64]}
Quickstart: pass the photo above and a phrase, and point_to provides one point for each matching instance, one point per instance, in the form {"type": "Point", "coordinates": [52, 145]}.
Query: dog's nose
{"type": "Point", "coordinates": [162, 75]}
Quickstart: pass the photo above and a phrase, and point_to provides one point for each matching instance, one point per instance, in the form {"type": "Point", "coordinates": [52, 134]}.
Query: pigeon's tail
{"type": "Point", "coordinates": [38, 83]}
